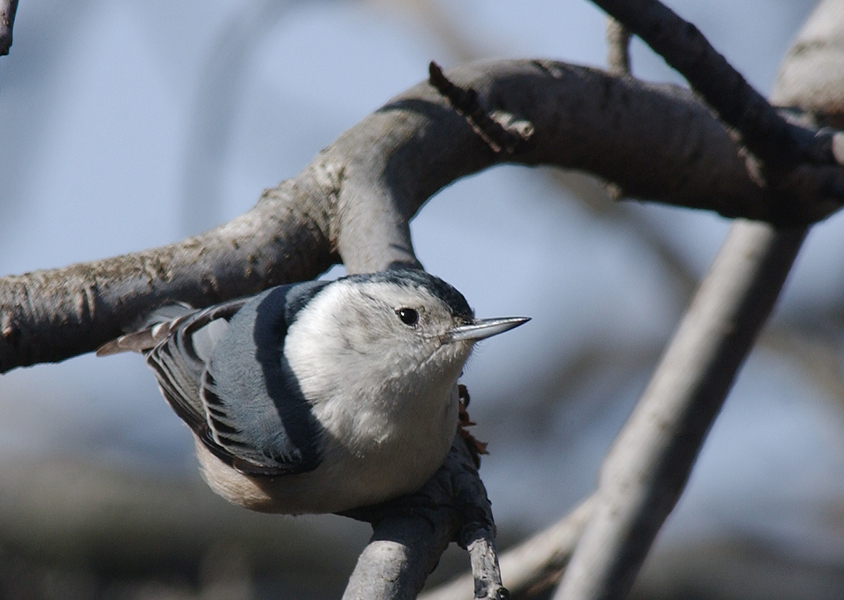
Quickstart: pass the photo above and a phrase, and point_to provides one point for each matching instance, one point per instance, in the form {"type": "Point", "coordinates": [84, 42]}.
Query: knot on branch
{"type": "Point", "coordinates": [501, 131]}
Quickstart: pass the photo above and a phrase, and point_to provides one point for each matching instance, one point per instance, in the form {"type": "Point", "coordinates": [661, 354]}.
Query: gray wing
{"type": "Point", "coordinates": [178, 352]}
{"type": "Point", "coordinates": [177, 342]}
{"type": "Point", "coordinates": [221, 370]}
{"type": "Point", "coordinates": [256, 411]}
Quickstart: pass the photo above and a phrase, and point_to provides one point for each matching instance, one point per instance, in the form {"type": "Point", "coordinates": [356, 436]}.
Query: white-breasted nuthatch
{"type": "Point", "coordinates": [320, 396]}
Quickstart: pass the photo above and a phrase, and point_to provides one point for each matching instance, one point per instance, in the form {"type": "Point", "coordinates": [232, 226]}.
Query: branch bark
{"type": "Point", "coordinates": [353, 202]}
{"type": "Point", "coordinates": [650, 461]}
{"type": "Point", "coordinates": [800, 163]}
{"type": "Point", "coordinates": [533, 565]}
{"type": "Point", "coordinates": [805, 79]}
{"type": "Point", "coordinates": [618, 47]}
{"type": "Point", "coordinates": [646, 470]}
{"type": "Point", "coordinates": [411, 533]}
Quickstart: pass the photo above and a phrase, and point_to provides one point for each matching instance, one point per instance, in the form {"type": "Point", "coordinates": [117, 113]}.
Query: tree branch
{"type": "Point", "coordinates": [618, 47]}
{"type": "Point", "coordinates": [535, 564]}
{"type": "Point", "coordinates": [354, 201]}
{"type": "Point", "coordinates": [645, 472]}
{"type": "Point", "coordinates": [685, 49]}
{"type": "Point", "coordinates": [498, 136]}
{"type": "Point", "coordinates": [411, 533]}
{"type": "Point", "coordinates": [8, 8]}
{"type": "Point", "coordinates": [804, 80]}
{"type": "Point", "coordinates": [797, 161]}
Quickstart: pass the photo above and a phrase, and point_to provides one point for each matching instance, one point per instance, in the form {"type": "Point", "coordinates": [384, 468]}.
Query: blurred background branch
{"type": "Point", "coordinates": [609, 281]}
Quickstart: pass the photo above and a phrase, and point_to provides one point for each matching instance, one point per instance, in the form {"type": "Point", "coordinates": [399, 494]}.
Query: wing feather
{"type": "Point", "coordinates": [221, 370]}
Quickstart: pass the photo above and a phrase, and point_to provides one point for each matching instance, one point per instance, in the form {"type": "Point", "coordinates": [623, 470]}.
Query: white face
{"type": "Point", "coordinates": [390, 333]}
{"type": "Point", "coordinates": [385, 375]}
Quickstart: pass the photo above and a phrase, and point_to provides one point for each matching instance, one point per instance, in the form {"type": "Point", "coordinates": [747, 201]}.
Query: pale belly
{"type": "Point", "coordinates": [339, 484]}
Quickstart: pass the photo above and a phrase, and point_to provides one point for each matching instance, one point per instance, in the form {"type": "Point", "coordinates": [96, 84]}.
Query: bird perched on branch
{"type": "Point", "coordinates": [320, 396]}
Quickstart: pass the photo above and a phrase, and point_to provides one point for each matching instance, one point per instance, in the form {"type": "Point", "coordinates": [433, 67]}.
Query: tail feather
{"type": "Point", "coordinates": [157, 328]}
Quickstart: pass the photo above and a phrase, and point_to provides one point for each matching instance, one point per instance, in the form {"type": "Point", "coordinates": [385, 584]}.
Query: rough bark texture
{"type": "Point", "coordinates": [354, 201]}
{"type": "Point", "coordinates": [410, 535]}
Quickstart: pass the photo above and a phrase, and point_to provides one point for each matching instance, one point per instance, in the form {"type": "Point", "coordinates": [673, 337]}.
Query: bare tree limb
{"type": "Point", "coordinates": [683, 47]}
{"type": "Point", "coordinates": [354, 201]}
{"type": "Point", "coordinates": [411, 533]}
{"type": "Point", "coordinates": [804, 80]}
{"type": "Point", "coordinates": [797, 161]}
{"type": "Point", "coordinates": [646, 470]}
{"type": "Point", "coordinates": [649, 463]}
{"type": "Point", "coordinates": [8, 8]}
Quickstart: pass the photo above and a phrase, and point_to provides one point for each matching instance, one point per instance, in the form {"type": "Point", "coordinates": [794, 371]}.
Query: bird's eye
{"type": "Point", "coordinates": [408, 316]}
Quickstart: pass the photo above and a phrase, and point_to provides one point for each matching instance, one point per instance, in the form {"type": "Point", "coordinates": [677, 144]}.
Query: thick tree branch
{"type": "Point", "coordinates": [799, 163]}
{"type": "Point", "coordinates": [647, 468]}
{"type": "Point", "coordinates": [52, 315]}
{"type": "Point", "coordinates": [354, 201]}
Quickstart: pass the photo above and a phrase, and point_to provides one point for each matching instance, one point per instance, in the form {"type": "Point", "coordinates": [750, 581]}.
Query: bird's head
{"type": "Point", "coordinates": [402, 326]}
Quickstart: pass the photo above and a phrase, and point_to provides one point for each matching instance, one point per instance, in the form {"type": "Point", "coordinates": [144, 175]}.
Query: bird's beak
{"type": "Point", "coordinates": [483, 328]}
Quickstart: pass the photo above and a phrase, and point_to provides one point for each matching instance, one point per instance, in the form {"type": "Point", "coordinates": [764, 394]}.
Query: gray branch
{"type": "Point", "coordinates": [410, 534]}
{"type": "Point", "coordinates": [618, 47]}
{"type": "Point", "coordinates": [532, 566]}
{"type": "Point", "coordinates": [645, 472]}
{"type": "Point", "coordinates": [353, 202]}
{"type": "Point", "coordinates": [648, 466]}
{"type": "Point", "coordinates": [795, 160]}
{"type": "Point", "coordinates": [808, 78]}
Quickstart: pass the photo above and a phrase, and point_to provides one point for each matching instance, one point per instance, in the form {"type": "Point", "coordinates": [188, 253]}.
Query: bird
{"type": "Point", "coordinates": [320, 396]}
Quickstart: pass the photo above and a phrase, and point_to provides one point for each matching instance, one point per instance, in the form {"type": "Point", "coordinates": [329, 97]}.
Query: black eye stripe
{"type": "Point", "coordinates": [408, 316]}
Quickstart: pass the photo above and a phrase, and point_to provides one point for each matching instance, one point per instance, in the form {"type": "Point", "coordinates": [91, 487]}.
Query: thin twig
{"type": "Point", "coordinates": [535, 564]}
{"type": "Point", "coordinates": [618, 47]}
{"type": "Point", "coordinates": [465, 101]}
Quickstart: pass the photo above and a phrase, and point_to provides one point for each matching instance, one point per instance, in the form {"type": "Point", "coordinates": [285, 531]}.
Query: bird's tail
{"type": "Point", "coordinates": [158, 327]}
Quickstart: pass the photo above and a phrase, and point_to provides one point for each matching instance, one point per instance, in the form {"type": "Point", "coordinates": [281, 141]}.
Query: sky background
{"type": "Point", "coordinates": [127, 125]}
